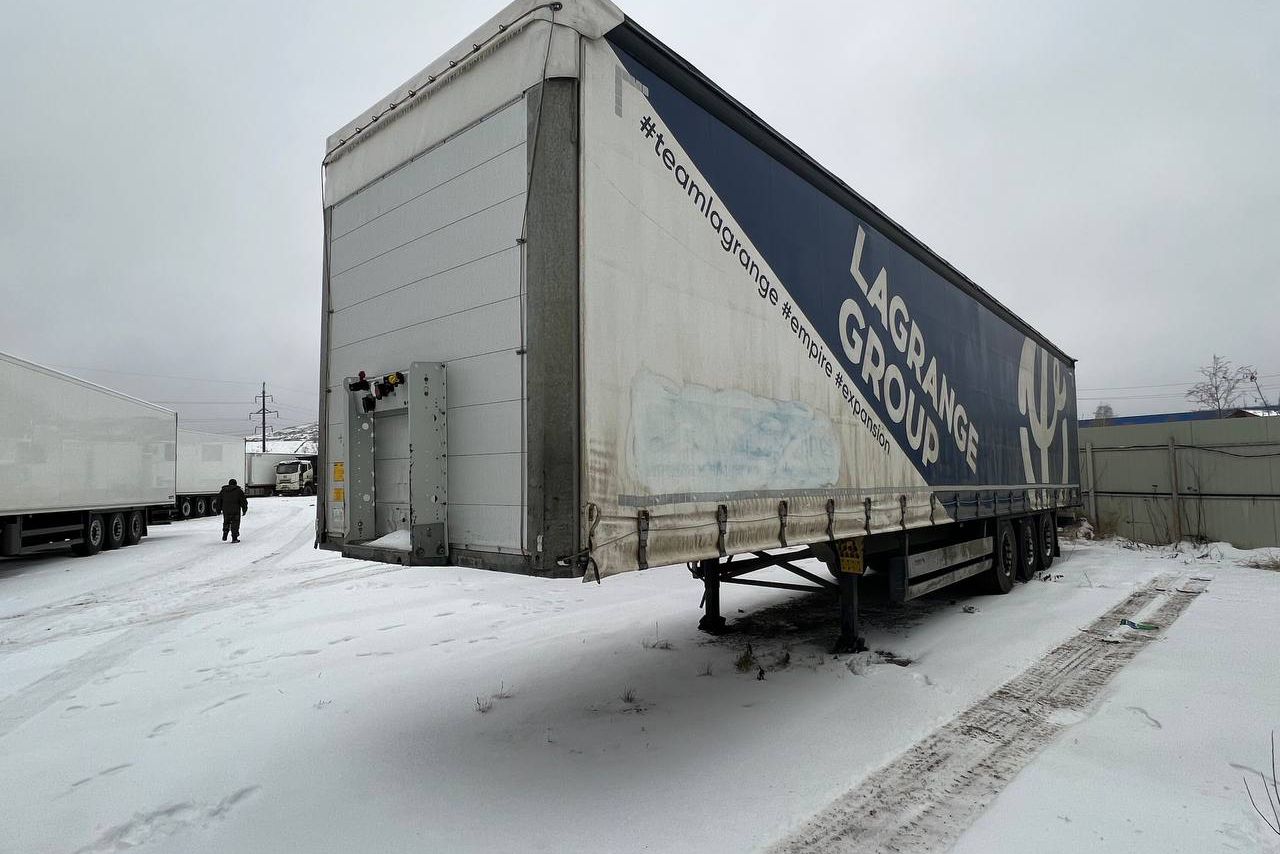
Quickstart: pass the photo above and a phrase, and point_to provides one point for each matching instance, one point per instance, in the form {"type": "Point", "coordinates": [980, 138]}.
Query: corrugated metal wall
{"type": "Point", "coordinates": [1222, 476]}
{"type": "Point", "coordinates": [425, 266]}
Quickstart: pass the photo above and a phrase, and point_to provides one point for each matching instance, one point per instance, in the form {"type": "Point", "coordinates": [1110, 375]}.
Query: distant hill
{"type": "Point", "coordinates": [301, 439]}
{"type": "Point", "coordinates": [306, 432]}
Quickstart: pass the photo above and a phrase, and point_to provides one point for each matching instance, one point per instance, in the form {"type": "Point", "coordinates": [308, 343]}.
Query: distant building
{"type": "Point", "coordinates": [1166, 417]}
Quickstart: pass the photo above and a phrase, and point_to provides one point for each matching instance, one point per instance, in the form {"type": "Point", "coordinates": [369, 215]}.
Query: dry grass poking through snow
{"type": "Point", "coordinates": [1266, 560]}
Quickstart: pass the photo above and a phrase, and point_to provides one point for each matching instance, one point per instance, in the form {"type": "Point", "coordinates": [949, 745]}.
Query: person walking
{"type": "Point", "coordinates": [233, 505]}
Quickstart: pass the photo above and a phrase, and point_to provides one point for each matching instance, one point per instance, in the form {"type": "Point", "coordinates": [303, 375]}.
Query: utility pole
{"type": "Point", "coordinates": [263, 412]}
{"type": "Point", "coordinates": [1252, 376]}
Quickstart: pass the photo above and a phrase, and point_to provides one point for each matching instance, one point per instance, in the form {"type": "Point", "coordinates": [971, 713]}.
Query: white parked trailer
{"type": "Point", "coordinates": [80, 465]}
{"type": "Point", "coordinates": [206, 461]}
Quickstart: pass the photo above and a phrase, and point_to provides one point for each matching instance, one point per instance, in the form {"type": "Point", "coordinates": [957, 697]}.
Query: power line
{"type": "Point", "coordinates": [1166, 396]}
{"type": "Point", "coordinates": [172, 377]}
{"type": "Point", "coordinates": [1159, 385]}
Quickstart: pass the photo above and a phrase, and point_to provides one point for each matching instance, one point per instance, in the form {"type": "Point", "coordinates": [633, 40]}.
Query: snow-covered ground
{"type": "Point", "coordinates": [190, 695]}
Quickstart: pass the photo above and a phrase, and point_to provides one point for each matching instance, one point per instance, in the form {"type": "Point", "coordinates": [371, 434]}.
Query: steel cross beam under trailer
{"type": "Point", "coordinates": [669, 335]}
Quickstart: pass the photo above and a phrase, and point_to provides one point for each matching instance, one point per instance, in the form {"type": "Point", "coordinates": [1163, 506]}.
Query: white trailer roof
{"type": "Point", "coordinates": [539, 40]}
{"type": "Point", "coordinates": [360, 152]}
{"type": "Point", "coordinates": [65, 376]}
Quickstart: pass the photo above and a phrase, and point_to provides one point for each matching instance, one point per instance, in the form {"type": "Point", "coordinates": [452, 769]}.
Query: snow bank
{"type": "Point", "coordinates": [395, 540]}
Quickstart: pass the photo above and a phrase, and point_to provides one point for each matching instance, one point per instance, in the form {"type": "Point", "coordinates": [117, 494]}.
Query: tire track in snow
{"type": "Point", "coordinates": [923, 800]}
{"type": "Point", "coordinates": [191, 555]}
{"type": "Point", "coordinates": [212, 600]}
{"type": "Point", "coordinates": [18, 708]}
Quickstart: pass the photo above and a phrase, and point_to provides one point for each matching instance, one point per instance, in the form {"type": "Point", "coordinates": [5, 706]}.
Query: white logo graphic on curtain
{"type": "Point", "coordinates": [1042, 397]}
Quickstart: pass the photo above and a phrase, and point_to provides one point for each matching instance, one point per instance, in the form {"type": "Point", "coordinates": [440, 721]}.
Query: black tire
{"type": "Point", "coordinates": [93, 536]}
{"type": "Point", "coordinates": [1048, 531]}
{"type": "Point", "coordinates": [135, 527]}
{"type": "Point", "coordinates": [185, 507]}
{"type": "Point", "coordinates": [215, 506]}
{"type": "Point", "coordinates": [114, 537]}
{"type": "Point", "coordinates": [1028, 548]}
{"type": "Point", "coordinates": [201, 506]}
{"type": "Point", "coordinates": [1004, 562]}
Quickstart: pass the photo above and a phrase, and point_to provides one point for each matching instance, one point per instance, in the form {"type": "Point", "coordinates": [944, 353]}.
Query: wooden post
{"type": "Point", "coordinates": [1173, 486]}
{"type": "Point", "coordinates": [1093, 484]}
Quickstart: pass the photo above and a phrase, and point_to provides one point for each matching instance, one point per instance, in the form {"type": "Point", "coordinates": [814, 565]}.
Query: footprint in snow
{"type": "Point", "coordinates": [393, 626]}
{"type": "Point", "coordinates": [1150, 721]}
{"type": "Point", "coordinates": [342, 640]}
{"type": "Point", "coordinates": [161, 729]}
{"type": "Point", "coordinates": [222, 703]}
{"type": "Point", "coordinates": [166, 821]}
{"type": "Point", "coordinates": [106, 772]}
{"type": "Point", "coordinates": [297, 653]}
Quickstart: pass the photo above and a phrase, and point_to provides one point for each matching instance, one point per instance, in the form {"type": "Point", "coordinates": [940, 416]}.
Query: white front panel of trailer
{"type": "Point", "coordinates": [425, 266]}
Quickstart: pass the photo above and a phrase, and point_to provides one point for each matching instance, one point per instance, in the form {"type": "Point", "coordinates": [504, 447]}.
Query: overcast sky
{"type": "Point", "coordinates": [1107, 170]}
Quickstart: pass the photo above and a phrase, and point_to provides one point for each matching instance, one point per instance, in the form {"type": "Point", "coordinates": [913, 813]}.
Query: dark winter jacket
{"type": "Point", "coordinates": [233, 501]}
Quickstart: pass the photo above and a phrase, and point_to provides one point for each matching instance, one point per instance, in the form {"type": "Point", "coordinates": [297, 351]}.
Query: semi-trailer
{"type": "Point", "coordinates": [81, 466]}
{"type": "Point", "coordinates": [261, 470]}
{"type": "Point", "coordinates": [585, 313]}
{"type": "Point", "coordinates": [206, 461]}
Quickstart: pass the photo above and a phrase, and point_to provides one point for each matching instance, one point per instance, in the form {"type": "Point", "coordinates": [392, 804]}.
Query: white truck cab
{"type": "Point", "coordinates": [295, 477]}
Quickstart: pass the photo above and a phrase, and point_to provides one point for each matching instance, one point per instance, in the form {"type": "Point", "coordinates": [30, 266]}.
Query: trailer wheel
{"type": "Point", "coordinates": [135, 527]}
{"type": "Point", "coordinates": [115, 531]}
{"type": "Point", "coordinates": [215, 506]}
{"type": "Point", "coordinates": [92, 537]}
{"type": "Point", "coordinates": [184, 507]}
{"type": "Point", "coordinates": [1004, 562]}
{"type": "Point", "coordinates": [1048, 528]}
{"type": "Point", "coordinates": [202, 506]}
{"type": "Point", "coordinates": [1028, 548]}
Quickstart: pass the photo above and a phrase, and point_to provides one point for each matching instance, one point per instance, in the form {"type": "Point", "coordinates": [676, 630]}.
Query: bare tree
{"type": "Point", "coordinates": [1220, 388]}
{"type": "Point", "coordinates": [1104, 412]}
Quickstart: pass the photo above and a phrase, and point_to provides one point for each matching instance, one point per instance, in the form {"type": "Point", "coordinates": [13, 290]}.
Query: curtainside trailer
{"type": "Point", "coordinates": [206, 461]}
{"type": "Point", "coordinates": [585, 313]}
{"type": "Point", "coordinates": [81, 466]}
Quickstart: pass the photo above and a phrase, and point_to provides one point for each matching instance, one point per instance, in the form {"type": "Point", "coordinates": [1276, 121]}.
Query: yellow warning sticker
{"type": "Point", "coordinates": [339, 494]}
{"type": "Point", "coordinates": [339, 472]}
{"type": "Point", "coordinates": [850, 552]}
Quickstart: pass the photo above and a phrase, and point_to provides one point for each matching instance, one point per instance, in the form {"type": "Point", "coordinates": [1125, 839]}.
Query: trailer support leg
{"type": "Point", "coordinates": [850, 637]}
{"type": "Point", "coordinates": [711, 621]}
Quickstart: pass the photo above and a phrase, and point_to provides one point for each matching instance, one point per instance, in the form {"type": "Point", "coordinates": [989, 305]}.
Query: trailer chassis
{"type": "Point", "coordinates": [844, 588]}
{"type": "Point", "coordinates": [966, 550]}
